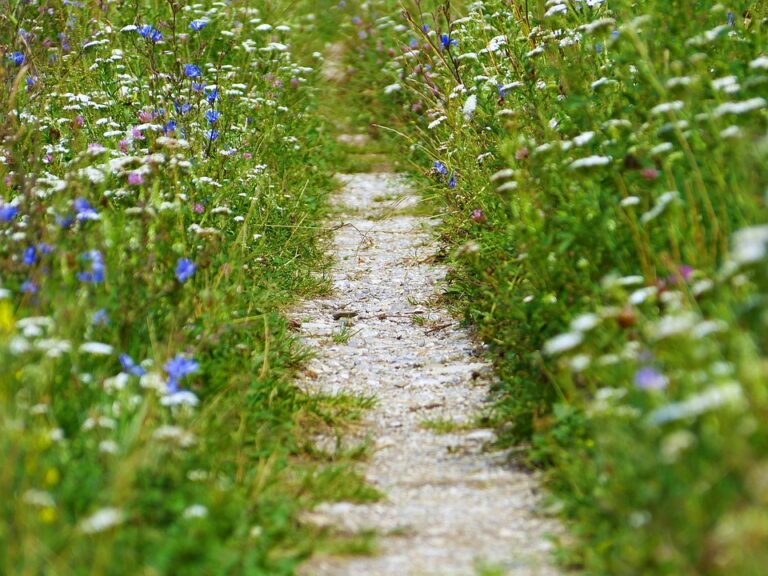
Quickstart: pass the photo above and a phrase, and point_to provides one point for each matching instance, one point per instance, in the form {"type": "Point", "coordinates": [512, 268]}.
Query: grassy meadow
{"type": "Point", "coordinates": [163, 173]}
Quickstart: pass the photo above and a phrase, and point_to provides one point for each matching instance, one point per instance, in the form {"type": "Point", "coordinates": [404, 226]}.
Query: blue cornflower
{"type": "Point", "coordinates": [65, 221]}
{"type": "Point", "coordinates": [100, 318]}
{"type": "Point", "coordinates": [96, 274]}
{"type": "Point", "coordinates": [44, 248]}
{"type": "Point", "coordinates": [198, 86]}
{"type": "Point", "coordinates": [30, 256]}
{"type": "Point", "coordinates": [212, 95]}
{"type": "Point", "coordinates": [198, 25]}
{"type": "Point", "coordinates": [182, 108]}
{"type": "Point", "coordinates": [425, 27]}
{"type": "Point", "coordinates": [130, 366]}
{"type": "Point", "coordinates": [212, 135]}
{"type": "Point", "coordinates": [8, 212]}
{"type": "Point", "coordinates": [84, 211]}
{"type": "Point", "coordinates": [169, 127]}
{"type": "Point", "coordinates": [192, 71]}
{"type": "Point", "coordinates": [447, 41]}
{"type": "Point", "coordinates": [452, 182]}
{"type": "Point", "coordinates": [212, 116]}
{"type": "Point", "coordinates": [177, 368]}
{"type": "Point", "coordinates": [29, 287]}
{"type": "Point", "coordinates": [150, 33]}
{"type": "Point", "coordinates": [185, 268]}
{"type": "Point", "coordinates": [440, 167]}
{"type": "Point", "coordinates": [17, 58]}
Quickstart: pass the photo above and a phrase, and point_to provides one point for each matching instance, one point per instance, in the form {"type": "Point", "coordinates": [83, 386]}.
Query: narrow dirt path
{"type": "Point", "coordinates": [451, 506]}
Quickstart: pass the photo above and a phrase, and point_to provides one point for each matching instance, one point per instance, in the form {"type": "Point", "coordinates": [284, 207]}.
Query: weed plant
{"type": "Point", "coordinates": [602, 171]}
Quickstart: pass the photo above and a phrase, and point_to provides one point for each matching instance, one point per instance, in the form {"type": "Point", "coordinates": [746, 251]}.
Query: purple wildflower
{"type": "Point", "coordinates": [648, 378]}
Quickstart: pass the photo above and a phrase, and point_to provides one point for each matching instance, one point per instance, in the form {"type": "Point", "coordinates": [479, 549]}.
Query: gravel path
{"type": "Point", "coordinates": [451, 505]}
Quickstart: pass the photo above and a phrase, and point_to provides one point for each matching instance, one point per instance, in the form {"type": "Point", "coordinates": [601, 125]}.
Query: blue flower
{"type": "Point", "coordinates": [177, 368]}
{"type": "Point", "coordinates": [447, 41]}
{"type": "Point", "coordinates": [212, 116]}
{"type": "Point", "coordinates": [8, 212]}
{"type": "Point", "coordinates": [169, 127]}
{"type": "Point", "coordinates": [452, 182]}
{"type": "Point", "coordinates": [96, 273]}
{"type": "Point", "coordinates": [648, 378]}
{"type": "Point", "coordinates": [150, 33]}
{"type": "Point", "coordinates": [130, 366]}
{"type": "Point", "coordinates": [198, 25]}
{"type": "Point", "coordinates": [100, 318]}
{"type": "Point", "coordinates": [212, 95]}
{"type": "Point", "coordinates": [182, 108]}
{"type": "Point", "coordinates": [185, 268]}
{"type": "Point", "coordinates": [30, 256]}
{"type": "Point", "coordinates": [192, 71]}
{"type": "Point", "coordinates": [29, 287]}
{"type": "Point", "coordinates": [198, 86]}
{"type": "Point", "coordinates": [84, 211]}
{"type": "Point", "coordinates": [17, 58]}
{"type": "Point", "coordinates": [440, 167]}
{"type": "Point", "coordinates": [212, 135]}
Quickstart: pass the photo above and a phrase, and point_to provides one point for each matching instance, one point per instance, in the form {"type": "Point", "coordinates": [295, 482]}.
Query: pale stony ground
{"type": "Point", "coordinates": [452, 505]}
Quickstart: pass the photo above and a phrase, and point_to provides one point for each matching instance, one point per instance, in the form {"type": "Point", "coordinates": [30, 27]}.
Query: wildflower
{"type": "Point", "coordinates": [180, 398]}
{"type": "Point", "coordinates": [102, 520]}
{"type": "Point", "coordinates": [185, 268]}
{"type": "Point", "coordinates": [177, 368]}
{"type": "Point", "coordinates": [563, 343]}
{"type": "Point", "coordinates": [212, 95]}
{"type": "Point", "coordinates": [648, 378]}
{"type": "Point", "coordinates": [590, 161]}
{"type": "Point", "coordinates": [212, 135]}
{"type": "Point", "coordinates": [135, 179]}
{"type": "Point", "coordinates": [477, 215]}
{"type": "Point", "coordinates": [195, 511]}
{"type": "Point", "coordinates": [100, 318]}
{"type": "Point", "coordinates": [192, 71]}
{"type": "Point", "coordinates": [452, 182]}
{"type": "Point", "coordinates": [97, 348]}
{"type": "Point", "coordinates": [96, 273]}
{"type": "Point", "coordinates": [440, 167]}
{"type": "Point", "coordinates": [17, 58]}
{"type": "Point", "coordinates": [130, 366]}
{"type": "Point", "coordinates": [470, 106]}
{"type": "Point", "coordinates": [212, 116]}
{"type": "Point", "coordinates": [447, 41]}
{"type": "Point", "coordinates": [150, 33]}
{"type": "Point", "coordinates": [8, 212]}
{"type": "Point", "coordinates": [198, 25]}
{"type": "Point", "coordinates": [29, 287]}
{"type": "Point", "coordinates": [84, 211]}
{"type": "Point", "coordinates": [30, 256]}
{"type": "Point", "coordinates": [649, 173]}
